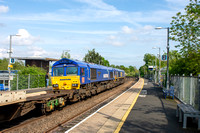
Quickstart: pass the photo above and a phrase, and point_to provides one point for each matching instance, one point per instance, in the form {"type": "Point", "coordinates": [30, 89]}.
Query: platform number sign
{"type": "Point", "coordinates": [12, 60]}
{"type": "Point", "coordinates": [164, 57]}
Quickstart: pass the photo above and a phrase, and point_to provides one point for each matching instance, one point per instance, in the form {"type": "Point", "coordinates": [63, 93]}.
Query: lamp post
{"type": "Point", "coordinates": [159, 72]}
{"type": "Point", "coordinates": [167, 53]}
{"type": "Point", "coordinates": [9, 63]}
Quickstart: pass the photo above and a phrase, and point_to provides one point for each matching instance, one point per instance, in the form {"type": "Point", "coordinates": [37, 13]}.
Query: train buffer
{"type": "Point", "coordinates": [169, 92]}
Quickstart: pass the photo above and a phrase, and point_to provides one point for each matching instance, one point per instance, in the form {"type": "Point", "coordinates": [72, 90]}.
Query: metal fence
{"type": "Point", "coordinates": [27, 81]}
{"type": "Point", "coordinates": [187, 89]}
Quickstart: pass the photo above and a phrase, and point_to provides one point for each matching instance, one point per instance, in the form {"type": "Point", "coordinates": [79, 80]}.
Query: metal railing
{"type": "Point", "coordinates": [27, 81]}
{"type": "Point", "coordinates": [187, 89]}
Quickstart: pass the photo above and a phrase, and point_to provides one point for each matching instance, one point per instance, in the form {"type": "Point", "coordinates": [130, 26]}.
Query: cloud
{"type": "Point", "coordinates": [127, 30]}
{"type": "Point", "coordinates": [113, 40]}
{"type": "Point", "coordinates": [98, 4]}
{"type": "Point", "coordinates": [36, 51]}
{"type": "Point", "coordinates": [25, 38]}
{"type": "Point", "coordinates": [4, 9]}
{"type": "Point", "coordinates": [128, 35]}
{"type": "Point", "coordinates": [3, 52]}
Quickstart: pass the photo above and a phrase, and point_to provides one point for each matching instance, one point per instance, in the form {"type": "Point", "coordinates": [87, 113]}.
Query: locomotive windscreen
{"type": "Point", "coordinates": [72, 70]}
{"type": "Point", "coordinates": [58, 71]}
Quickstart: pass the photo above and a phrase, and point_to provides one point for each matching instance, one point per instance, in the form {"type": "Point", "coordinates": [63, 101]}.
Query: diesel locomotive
{"type": "Point", "coordinates": [71, 81]}
{"type": "Point", "coordinates": [82, 79]}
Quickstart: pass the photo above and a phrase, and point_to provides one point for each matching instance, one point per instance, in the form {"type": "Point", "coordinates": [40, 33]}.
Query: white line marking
{"type": "Point", "coordinates": [97, 110]}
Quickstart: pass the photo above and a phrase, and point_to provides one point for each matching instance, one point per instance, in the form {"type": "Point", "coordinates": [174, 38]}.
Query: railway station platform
{"type": "Point", "coordinates": [141, 109]}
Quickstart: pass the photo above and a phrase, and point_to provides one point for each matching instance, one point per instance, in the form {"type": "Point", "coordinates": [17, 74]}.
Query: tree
{"type": "Point", "coordinates": [16, 66]}
{"type": "Point", "coordinates": [4, 64]}
{"type": "Point", "coordinates": [95, 57]}
{"type": "Point", "coordinates": [104, 62]}
{"type": "Point", "coordinates": [37, 78]}
{"type": "Point", "coordinates": [65, 55]}
{"type": "Point", "coordinates": [185, 28]}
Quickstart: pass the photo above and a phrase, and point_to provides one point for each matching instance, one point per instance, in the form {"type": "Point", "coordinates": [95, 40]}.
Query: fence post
{"type": "Point", "coordinates": [183, 87]}
{"type": "Point", "coordinates": [38, 80]}
{"type": "Point", "coordinates": [17, 81]}
{"type": "Point", "coordinates": [28, 81]}
{"type": "Point", "coordinates": [199, 89]}
{"type": "Point", "coordinates": [191, 89]}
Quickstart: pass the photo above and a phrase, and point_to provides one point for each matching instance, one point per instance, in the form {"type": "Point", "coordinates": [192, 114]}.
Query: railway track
{"type": "Point", "coordinates": [60, 121]}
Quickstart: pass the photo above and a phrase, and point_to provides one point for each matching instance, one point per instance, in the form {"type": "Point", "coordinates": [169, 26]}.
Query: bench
{"type": "Point", "coordinates": [184, 111]}
{"type": "Point", "coordinates": [2, 88]}
{"type": "Point", "coordinates": [169, 92]}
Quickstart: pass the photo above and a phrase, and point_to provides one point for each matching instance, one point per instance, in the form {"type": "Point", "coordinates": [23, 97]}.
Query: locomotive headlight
{"type": "Point", "coordinates": [55, 85]}
{"type": "Point", "coordinates": [74, 85]}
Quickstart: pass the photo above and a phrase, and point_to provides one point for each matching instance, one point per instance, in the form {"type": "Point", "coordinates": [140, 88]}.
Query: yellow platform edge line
{"type": "Point", "coordinates": [127, 112]}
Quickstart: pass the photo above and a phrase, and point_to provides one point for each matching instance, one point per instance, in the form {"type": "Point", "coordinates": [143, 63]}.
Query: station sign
{"type": "Point", "coordinates": [164, 57]}
{"type": "Point", "coordinates": [12, 60]}
{"type": "Point", "coordinates": [150, 68]}
{"type": "Point", "coordinates": [6, 77]}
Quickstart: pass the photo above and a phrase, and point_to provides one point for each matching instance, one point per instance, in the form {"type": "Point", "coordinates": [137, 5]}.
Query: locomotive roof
{"type": "Point", "coordinates": [69, 61]}
{"type": "Point", "coordinates": [84, 64]}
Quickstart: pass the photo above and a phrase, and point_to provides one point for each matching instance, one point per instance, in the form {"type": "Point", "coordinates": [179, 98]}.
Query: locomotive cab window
{"type": "Point", "coordinates": [58, 71]}
{"type": "Point", "coordinates": [72, 71]}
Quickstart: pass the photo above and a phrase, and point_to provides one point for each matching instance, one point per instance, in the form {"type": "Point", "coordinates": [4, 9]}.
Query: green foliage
{"type": "Point", "coordinates": [37, 78]}
{"type": "Point", "coordinates": [149, 59]}
{"type": "Point", "coordinates": [32, 70]}
{"type": "Point", "coordinates": [66, 55]}
{"type": "Point", "coordinates": [95, 57]}
{"type": "Point", "coordinates": [16, 66]}
{"type": "Point", "coordinates": [184, 65]}
{"type": "Point", "coordinates": [35, 81]}
{"type": "Point", "coordinates": [4, 64]}
{"type": "Point", "coordinates": [185, 28]}
{"type": "Point", "coordinates": [143, 70]}
{"type": "Point", "coordinates": [130, 71]}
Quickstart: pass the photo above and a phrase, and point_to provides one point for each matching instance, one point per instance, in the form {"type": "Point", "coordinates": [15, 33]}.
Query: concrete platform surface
{"type": "Point", "coordinates": [110, 117]}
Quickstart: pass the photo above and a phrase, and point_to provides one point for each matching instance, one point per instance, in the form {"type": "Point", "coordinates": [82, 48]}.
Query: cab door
{"type": "Point", "coordinates": [83, 75]}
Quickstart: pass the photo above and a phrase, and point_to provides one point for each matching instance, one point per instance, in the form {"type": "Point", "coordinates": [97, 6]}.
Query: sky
{"type": "Point", "coordinates": [122, 31]}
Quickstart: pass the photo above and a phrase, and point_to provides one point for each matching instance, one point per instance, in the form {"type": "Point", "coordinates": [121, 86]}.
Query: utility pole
{"type": "Point", "coordinates": [9, 63]}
